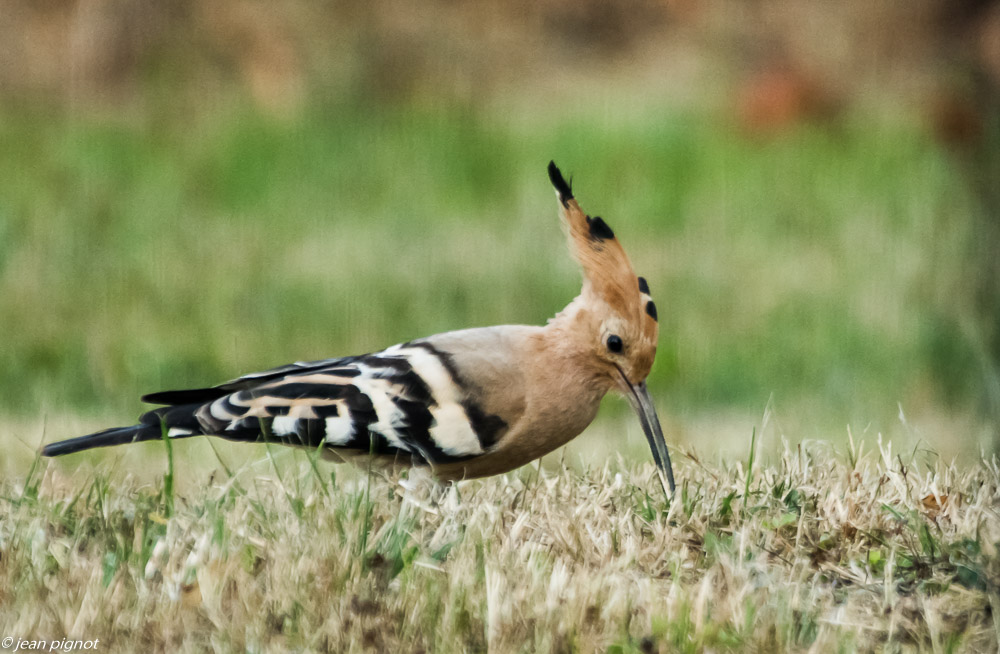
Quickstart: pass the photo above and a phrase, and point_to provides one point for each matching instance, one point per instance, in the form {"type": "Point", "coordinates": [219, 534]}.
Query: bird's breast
{"type": "Point", "coordinates": [542, 428]}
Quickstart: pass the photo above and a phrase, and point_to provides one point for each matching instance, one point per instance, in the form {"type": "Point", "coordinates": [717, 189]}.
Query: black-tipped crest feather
{"type": "Point", "coordinates": [559, 182]}
{"type": "Point", "coordinates": [599, 230]}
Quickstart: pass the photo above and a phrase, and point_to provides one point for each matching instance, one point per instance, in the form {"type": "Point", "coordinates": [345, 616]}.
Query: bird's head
{"type": "Point", "coordinates": [614, 317]}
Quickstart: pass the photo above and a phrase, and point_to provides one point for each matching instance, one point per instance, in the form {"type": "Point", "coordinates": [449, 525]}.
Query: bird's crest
{"type": "Point", "coordinates": [607, 271]}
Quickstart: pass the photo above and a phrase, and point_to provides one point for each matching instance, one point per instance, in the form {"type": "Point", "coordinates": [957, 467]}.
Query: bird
{"type": "Point", "coordinates": [466, 404]}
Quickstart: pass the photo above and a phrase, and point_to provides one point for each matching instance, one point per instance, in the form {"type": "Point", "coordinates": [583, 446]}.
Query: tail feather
{"type": "Point", "coordinates": [117, 436]}
{"type": "Point", "coordinates": [180, 421]}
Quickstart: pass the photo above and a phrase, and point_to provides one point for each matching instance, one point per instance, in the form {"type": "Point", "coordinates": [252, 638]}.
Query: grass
{"type": "Point", "coordinates": [155, 250]}
{"type": "Point", "coordinates": [815, 550]}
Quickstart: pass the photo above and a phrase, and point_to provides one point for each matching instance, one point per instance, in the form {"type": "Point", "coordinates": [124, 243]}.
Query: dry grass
{"type": "Point", "coordinates": [865, 551]}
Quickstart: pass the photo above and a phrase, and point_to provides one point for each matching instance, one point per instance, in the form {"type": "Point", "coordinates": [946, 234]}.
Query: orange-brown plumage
{"type": "Point", "coordinates": [611, 288]}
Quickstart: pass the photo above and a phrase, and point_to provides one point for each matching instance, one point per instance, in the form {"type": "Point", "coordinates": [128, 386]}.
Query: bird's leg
{"type": "Point", "coordinates": [423, 489]}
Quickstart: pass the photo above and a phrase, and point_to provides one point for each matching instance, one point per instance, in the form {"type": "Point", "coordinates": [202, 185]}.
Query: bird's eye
{"type": "Point", "coordinates": [615, 343]}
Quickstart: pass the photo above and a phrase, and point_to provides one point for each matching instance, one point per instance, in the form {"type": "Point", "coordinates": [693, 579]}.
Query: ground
{"type": "Point", "coordinates": [808, 548]}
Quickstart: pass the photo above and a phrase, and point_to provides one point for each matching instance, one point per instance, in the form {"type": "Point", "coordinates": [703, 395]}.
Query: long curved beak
{"type": "Point", "coordinates": [642, 404]}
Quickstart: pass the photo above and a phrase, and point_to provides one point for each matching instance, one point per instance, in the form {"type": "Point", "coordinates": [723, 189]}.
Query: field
{"type": "Point", "coordinates": [815, 550]}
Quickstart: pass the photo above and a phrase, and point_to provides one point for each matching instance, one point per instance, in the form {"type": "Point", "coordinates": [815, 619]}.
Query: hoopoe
{"type": "Point", "coordinates": [467, 403]}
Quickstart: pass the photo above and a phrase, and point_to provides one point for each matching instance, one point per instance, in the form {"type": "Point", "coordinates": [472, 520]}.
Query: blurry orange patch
{"type": "Point", "coordinates": [956, 120]}
{"type": "Point", "coordinates": [779, 97]}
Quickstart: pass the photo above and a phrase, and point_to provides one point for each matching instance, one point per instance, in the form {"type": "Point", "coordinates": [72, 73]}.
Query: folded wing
{"type": "Point", "coordinates": [402, 402]}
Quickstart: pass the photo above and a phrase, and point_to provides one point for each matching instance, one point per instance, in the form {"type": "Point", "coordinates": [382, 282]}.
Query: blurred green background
{"type": "Point", "coordinates": [194, 191]}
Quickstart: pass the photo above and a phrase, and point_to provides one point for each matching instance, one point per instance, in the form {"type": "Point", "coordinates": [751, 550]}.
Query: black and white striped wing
{"type": "Point", "coordinates": [405, 401]}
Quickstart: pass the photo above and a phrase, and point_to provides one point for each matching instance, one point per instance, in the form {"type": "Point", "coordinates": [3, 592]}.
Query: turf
{"type": "Point", "coordinates": [812, 550]}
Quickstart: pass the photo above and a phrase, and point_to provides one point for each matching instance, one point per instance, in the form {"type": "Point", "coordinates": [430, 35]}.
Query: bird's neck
{"type": "Point", "coordinates": [567, 347]}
